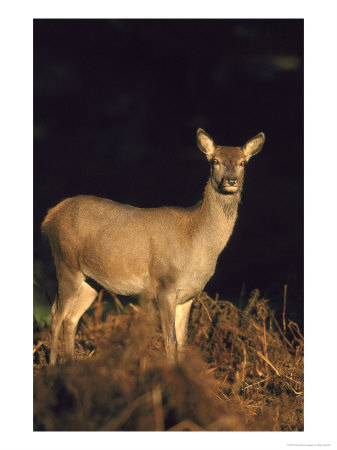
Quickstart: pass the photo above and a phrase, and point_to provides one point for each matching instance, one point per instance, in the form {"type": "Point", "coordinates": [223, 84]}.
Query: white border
{"type": "Point", "coordinates": [320, 221]}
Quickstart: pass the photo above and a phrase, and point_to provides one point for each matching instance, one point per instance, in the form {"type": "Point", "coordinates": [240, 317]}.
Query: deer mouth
{"type": "Point", "coordinates": [228, 190]}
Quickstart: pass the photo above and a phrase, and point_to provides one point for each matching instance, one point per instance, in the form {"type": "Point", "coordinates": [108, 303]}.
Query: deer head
{"type": "Point", "coordinates": [228, 163]}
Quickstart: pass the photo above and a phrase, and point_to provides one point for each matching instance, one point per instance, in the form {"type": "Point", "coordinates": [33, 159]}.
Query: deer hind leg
{"type": "Point", "coordinates": [181, 326]}
{"type": "Point", "coordinates": [85, 297]}
{"type": "Point", "coordinates": [167, 305]}
{"type": "Point", "coordinates": [74, 298]}
{"type": "Point", "coordinates": [56, 324]}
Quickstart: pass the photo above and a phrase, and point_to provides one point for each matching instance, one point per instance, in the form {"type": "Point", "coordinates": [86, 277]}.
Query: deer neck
{"type": "Point", "coordinates": [217, 216]}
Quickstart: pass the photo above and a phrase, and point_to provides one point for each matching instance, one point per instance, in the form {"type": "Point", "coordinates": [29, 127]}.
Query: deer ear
{"type": "Point", "coordinates": [254, 145]}
{"type": "Point", "coordinates": [205, 143]}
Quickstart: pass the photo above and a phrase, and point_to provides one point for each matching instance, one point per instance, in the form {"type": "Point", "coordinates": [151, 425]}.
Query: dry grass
{"type": "Point", "coordinates": [242, 372]}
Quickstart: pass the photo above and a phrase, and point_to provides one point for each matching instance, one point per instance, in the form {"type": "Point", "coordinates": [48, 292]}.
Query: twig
{"type": "Point", "coordinates": [293, 326]}
{"type": "Point", "coordinates": [37, 346]}
{"type": "Point", "coordinates": [265, 340]}
{"type": "Point", "coordinates": [98, 308]}
{"type": "Point", "coordinates": [158, 408]}
{"type": "Point", "coordinates": [116, 422]}
{"type": "Point", "coordinates": [119, 305]}
{"type": "Point", "coordinates": [294, 381]}
{"type": "Point", "coordinates": [254, 296]}
{"type": "Point", "coordinates": [244, 363]}
{"type": "Point", "coordinates": [267, 361]}
{"type": "Point", "coordinates": [202, 304]}
{"type": "Point", "coordinates": [258, 382]}
{"type": "Point", "coordinates": [284, 307]}
{"type": "Point", "coordinates": [208, 371]}
{"type": "Point", "coordinates": [279, 328]}
{"type": "Point", "coordinates": [135, 308]}
{"type": "Point", "coordinates": [295, 392]}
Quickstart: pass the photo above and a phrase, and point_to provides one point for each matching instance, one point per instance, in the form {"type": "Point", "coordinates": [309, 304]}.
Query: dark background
{"type": "Point", "coordinates": [116, 107]}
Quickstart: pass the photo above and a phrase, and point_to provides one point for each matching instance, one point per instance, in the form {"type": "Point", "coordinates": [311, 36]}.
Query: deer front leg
{"type": "Point", "coordinates": [181, 326]}
{"type": "Point", "coordinates": [167, 306]}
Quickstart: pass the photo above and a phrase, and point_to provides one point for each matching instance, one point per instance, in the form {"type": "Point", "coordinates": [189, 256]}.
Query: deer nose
{"type": "Point", "coordinates": [231, 180]}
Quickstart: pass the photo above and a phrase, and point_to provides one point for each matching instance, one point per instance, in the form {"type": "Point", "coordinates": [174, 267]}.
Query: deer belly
{"type": "Point", "coordinates": [126, 286]}
{"type": "Point", "coordinates": [122, 282]}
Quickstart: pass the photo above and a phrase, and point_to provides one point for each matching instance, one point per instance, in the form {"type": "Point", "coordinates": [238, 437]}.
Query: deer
{"type": "Point", "coordinates": [164, 255]}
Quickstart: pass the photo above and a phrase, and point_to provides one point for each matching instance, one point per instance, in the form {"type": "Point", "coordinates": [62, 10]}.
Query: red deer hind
{"type": "Point", "coordinates": [165, 254]}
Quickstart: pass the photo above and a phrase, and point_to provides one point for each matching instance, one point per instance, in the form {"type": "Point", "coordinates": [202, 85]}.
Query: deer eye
{"type": "Point", "coordinates": [215, 162]}
{"type": "Point", "coordinates": [243, 163]}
